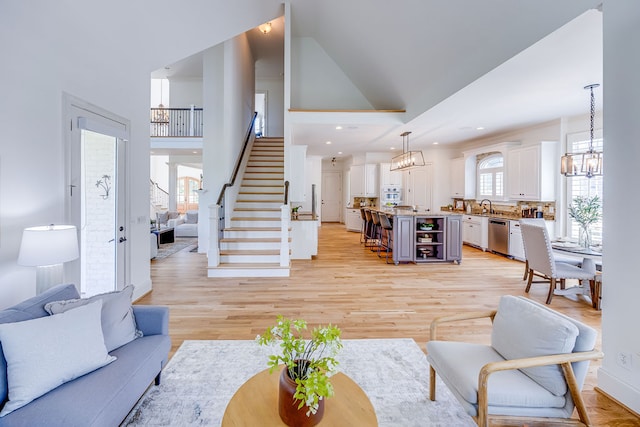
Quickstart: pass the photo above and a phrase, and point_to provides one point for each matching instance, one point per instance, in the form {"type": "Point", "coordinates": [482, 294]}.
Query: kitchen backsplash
{"type": "Point", "coordinates": [521, 210]}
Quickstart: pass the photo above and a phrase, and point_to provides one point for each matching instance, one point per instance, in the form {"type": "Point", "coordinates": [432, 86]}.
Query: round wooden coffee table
{"type": "Point", "coordinates": [256, 404]}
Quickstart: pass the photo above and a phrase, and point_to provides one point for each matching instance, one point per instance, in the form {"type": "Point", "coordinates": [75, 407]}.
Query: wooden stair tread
{"type": "Point", "coordinates": [243, 218]}
{"type": "Point", "coordinates": [249, 265]}
{"type": "Point", "coordinates": [257, 209]}
{"type": "Point", "coordinates": [251, 239]}
{"type": "Point", "coordinates": [252, 229]}
{"type": "Point", "coordinates": [258, 201]}
{"type": "Point", "coordinates": [250, 252]}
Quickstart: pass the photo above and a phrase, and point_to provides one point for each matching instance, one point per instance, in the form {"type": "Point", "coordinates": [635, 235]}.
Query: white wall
{"type": "Point", "coordinates": [275, 105]}
{"type": "Point", "coordinates": [621, 292]}
{"type": "Point", "coordinates": [317, 82]}
{"type": "Point", "coordinates": [184, 92]}
{"type": "Point", "coordinates": [86, 58]}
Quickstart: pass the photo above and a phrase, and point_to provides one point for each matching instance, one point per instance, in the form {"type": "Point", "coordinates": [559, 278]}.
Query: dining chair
{"type": "Point", "coordinates": [558, 258]}
{"type": "Point", "coordinates": [542, 263]}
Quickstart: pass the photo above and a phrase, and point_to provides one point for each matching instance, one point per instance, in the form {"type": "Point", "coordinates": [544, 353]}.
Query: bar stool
{"type": "Point", "coordinates": [368, 228]}
{"type": "Point", "coordinates": [386, 241]}
{"type": "Point", "coordinates": [363, 227]}
{"type": "Point", "coordinates": [376, 234]}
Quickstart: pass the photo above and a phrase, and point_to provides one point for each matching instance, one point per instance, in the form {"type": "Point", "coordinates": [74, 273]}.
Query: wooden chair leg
{"type": "Point", "coordinates": [432, 383]}
{"type": "Point", "coordinates": [574, 389]}
{"type": "Point", "coordinates": [552, 287]}
{"type": "Point", "coordinates": [529, 281]}
{"type": "Point", "coordinates": [526, 270]}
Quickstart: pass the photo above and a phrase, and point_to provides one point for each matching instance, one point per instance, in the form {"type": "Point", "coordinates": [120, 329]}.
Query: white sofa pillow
{"type": "Point", "coordinates": [522, 329]}
{"type": "Point", "coordinates": [118, 322]}
{"type": "Point", "coordinates": [47, 352]}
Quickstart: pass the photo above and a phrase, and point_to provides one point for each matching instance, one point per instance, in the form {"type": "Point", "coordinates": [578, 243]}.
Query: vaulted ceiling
{"type": "Point", "coordinates": [454, 66]}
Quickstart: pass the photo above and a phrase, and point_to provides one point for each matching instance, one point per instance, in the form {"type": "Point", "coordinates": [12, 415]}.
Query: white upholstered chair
{"type": "Point", "coordinates": [557, 258]}
{"type": "Point", "coordinates": [541, 261]}
{"type": "Point", "coordinates": [535, 366]}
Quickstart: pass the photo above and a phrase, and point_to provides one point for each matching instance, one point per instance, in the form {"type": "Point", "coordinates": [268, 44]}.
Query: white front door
{"type": "Point", "coordinates": [96, 195]}
{"type": "Point", "coordinates": [331, 196]}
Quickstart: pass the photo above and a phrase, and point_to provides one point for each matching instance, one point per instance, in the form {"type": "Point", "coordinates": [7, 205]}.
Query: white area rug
{"type": "Point", "coordinates": [202, 376]}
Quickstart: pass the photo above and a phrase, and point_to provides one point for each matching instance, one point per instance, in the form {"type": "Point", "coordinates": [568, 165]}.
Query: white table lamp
{"type": "Point", "coordinates": [46, 248]}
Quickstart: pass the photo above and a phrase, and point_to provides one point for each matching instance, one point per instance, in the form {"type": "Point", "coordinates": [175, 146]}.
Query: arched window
{"type": "Point", "coordinates": [491, 176]}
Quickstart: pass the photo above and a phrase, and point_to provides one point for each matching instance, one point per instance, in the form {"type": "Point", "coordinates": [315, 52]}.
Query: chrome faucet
{"type": "Point", "coordinates": [482, 204]}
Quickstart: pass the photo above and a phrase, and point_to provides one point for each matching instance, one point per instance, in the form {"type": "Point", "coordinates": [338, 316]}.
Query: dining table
{"type": "Point", "coordinates": [591, 255]}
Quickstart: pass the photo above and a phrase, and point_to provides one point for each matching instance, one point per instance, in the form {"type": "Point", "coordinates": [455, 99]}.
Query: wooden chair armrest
{"type": "Point", "coordinates": [457, 317]}
{"type": "Point", "coordinates": [564, 360]}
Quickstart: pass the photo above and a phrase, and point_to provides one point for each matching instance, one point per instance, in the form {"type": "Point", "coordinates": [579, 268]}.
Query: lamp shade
{"type": "Point", "coordinates": [48, 245]}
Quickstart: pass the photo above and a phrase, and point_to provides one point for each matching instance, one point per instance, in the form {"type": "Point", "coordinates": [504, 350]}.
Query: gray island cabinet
{"type": "Point", "coordinates": [425, 237]}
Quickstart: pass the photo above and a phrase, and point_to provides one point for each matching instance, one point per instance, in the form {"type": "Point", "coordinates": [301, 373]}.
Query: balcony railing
{"type": "Point", "coordinates": [176, 122]}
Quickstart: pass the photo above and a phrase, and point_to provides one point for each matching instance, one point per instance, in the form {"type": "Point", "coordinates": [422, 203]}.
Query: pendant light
{"type": "Point", "coordinates": [587, 164]}
{"type": "Point", "coordinates": [408, 159]}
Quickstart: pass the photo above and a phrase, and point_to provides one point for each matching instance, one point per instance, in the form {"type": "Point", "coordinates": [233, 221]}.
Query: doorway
{"type": "Point", "coordinates": [331, 196]}
{"type": "Point", "coordinates": [96, 196]}
{"type": "Point", "coordinates": [261, 119]}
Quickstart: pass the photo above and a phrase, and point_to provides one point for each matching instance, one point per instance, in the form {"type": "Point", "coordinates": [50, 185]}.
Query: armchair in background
{"type": "Point", "coordinates": [185, 225]}
{"type": "Point", "coordinates": [535, 366]}
{"type": "Point", "coordinates": [162, 218]}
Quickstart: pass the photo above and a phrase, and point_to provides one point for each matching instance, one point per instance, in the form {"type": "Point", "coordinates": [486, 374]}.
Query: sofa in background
{"type": "Point", "coordinates": [102, 397]}
{"type": "Point", "coordinates": [186, 225]}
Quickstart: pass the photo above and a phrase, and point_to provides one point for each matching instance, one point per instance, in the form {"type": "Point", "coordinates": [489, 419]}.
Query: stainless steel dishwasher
{"type": "Point", "coordinates": [499, 235]}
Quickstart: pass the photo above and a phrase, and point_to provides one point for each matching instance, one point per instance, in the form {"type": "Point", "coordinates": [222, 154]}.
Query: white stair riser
{"type": "Point", "coordinates": [265, 169]}
{"type": "Point", "coordinates": [252, 197]}
{"type": "Point", "coordinates": [249, 259]}
{"type": "Point", "coordinates": [248, 272]}
{"type": "Point", "coordinates": [257, 214]}
{"type": "Point", "coordinates": [248, 246]}
{"type": "Point", "coordinates": [243, 223]}
{"type": "Point", "coordinates": [239, 234]}
{"type": "Point", "coordinates": [261, 175]}
{"type": "Point", "coordinates": [257, 204]}
{"type": "Point", "coordinates": [261, 183]}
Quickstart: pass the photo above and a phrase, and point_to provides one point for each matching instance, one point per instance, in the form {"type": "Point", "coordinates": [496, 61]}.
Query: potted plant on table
{"type": "Point", "coordinates": [294, 212]}
{"type": "Point", "coordinates": [585, 211]}
{"type": "Point", "coordinates": [304, 381]}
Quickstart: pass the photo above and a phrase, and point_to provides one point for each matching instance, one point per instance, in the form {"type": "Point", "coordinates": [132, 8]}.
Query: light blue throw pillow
{"type": "Point", "coordinates": [521, 329]}
{"type": "Point", "coordinates": [47, 352]}
{"type": "Point", "coordinates": [118, 322]}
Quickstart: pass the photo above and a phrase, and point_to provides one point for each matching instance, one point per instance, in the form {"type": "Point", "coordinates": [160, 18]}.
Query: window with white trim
{"type": "Point", "coordinates": [491, 176]}
{"type": "Point", "coordinates": [583, 186]}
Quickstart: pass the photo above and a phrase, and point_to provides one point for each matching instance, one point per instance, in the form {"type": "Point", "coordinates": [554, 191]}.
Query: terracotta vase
{"type": "Point", "coordinates": [288, 405]}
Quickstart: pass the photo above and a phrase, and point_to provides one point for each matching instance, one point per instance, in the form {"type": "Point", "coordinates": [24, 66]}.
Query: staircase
{"type": "Point", "coordinates": [250, 247]}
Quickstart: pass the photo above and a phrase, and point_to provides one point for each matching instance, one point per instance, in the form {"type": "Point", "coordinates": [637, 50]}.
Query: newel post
{"type": "Point", "coordinates": [285, 217]}
{"type": "Point", "coordinates": [213, 254]}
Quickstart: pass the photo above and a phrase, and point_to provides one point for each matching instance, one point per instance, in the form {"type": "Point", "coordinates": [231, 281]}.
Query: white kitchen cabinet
{"type": "Point", "coordinates": [353, 220]}
{"type": "Point", "coordinates": [418, 187]}
{"type": "Point", "coordinates": [475, 231]}
{"type": "Point", "coordinates": [462, 178]}
{"type": "Point", "coordinates": [364, 180]}
{"type": "Point", "coordinates": [389, 178]}
{"type": "Point", "coordinates": [531, 172]}
{"type": "Point", "coordinates": [456, 176]}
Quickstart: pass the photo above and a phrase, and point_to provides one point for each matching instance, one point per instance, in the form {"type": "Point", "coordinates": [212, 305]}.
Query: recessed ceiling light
{"type": "Point", "coordinates": [328, 142]}
{"type": "Point", "coordinates": [436, 143]}
{"type": "Point", "coordinates": [339, 152]}
{"type": "Point", "coordinates": [392, 148]}
{"type": "Point", "coordinates": [338, 127]}
{"type": "Point", "coordinates": [479, 128]}
{"type": "Point", "coordinates": [194, 152]}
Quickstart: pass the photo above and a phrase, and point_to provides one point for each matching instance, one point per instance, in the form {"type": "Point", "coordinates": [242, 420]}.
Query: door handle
{"type": "Point", "coordinates": [122, 239]}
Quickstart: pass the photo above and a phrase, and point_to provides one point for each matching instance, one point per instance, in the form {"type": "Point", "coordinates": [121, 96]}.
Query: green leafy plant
{"type": "Point", "coordinates": [309, 363]}
{"type": "Point", "coordinates": [294, 209]}
{"type": "Point", "coordinates": [586, 210]}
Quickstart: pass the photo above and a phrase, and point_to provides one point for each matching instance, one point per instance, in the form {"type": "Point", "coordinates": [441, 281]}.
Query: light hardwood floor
{"type": "Point", "coordinates": [351, 287]}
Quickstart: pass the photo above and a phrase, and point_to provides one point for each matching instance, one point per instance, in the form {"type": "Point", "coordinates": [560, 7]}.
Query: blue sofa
{"type": "Point", "coordinates": [105, 396]}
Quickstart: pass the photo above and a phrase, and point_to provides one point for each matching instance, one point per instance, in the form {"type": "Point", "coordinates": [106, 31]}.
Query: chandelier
{"type": "Point", "coordinates": [587, 164]}
{"type": "Point", "coordinates": [408, 159]}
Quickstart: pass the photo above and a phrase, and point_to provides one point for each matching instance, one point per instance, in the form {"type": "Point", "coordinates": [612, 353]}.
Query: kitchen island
{"type": "Point", "coordinates": [423, 236]}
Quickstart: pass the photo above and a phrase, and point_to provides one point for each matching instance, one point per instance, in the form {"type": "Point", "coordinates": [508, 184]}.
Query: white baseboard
{"type": "Point", "coordinates": [619, 390]}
